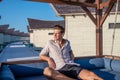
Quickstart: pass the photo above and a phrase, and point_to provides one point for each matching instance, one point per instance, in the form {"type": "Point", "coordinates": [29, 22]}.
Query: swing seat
{"type": "Point", "coordinates": [106, 68]}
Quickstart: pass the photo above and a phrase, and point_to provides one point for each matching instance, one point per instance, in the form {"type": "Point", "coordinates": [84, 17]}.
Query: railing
{"type": "Point", "coordinates": [23, 61]}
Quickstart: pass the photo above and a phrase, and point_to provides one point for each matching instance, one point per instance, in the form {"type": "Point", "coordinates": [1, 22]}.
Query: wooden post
{"type": "Point", "coordinates": [99, 40]}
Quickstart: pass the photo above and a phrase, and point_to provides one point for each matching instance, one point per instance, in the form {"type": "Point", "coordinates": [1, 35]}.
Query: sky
{"type": "Point", "coordinates": [16, 12]}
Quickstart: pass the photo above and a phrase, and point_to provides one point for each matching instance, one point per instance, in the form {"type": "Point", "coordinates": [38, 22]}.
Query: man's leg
{"type": "Point", "coordinates": [88, 75]}
{"type": "Point", "coordinates": [55, 75]}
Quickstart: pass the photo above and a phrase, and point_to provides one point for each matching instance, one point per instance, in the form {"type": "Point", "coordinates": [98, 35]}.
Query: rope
{"type": "Point", "coordinates": [114, 26]}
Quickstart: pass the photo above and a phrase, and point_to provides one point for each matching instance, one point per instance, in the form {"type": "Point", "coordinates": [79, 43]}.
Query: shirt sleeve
{"type": "Point", "coordinates": [45, 50]}
{"type": "Point", "coordinates": [69, 46]}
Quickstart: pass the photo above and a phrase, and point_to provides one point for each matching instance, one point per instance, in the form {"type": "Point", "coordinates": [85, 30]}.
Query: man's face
{"type": "Point", "coordinates": [57, 34]}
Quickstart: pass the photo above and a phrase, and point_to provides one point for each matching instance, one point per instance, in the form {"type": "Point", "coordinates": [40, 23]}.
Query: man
{"type": "Point", "coordinates": [60, 59]}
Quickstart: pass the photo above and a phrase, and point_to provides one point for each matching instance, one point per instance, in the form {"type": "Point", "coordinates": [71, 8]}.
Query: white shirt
{"type": "Point", "coordinates": [61, 56]}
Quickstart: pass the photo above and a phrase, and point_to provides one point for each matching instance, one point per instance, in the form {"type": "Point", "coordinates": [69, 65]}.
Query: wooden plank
{"type": "Point", "coordinates": [23, 61]}
{"type": "Point", "coordinates": [94, 56]}
{"type": "Point", "coordinates": [112, 57]}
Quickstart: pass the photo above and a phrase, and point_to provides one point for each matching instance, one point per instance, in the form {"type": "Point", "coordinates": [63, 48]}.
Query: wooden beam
{"type": "Point", "coordinates": [106, 14]}
{"type": "Point", "coordinates": [48, 1]}
{"type": "Point", "coordinates": [66, 2]}
{"type": "Point", "coordinates": [89, 14]}
{"type": "Point", "coordinates": [99, 42]}
{"type": "Point", "coordinates": [105, 4]}
{"type": "Point", "coordinates": [80, 3]}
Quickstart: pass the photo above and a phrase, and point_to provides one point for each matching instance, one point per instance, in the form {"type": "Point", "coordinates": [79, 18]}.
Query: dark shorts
{"type": "Point", "coordinates": [71, 70]}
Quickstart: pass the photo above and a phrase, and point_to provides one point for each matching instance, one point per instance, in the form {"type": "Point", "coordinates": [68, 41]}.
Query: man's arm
{"type": "Point", "coordinates": [50, 61]}
{"type": "Point", "coordinates": [43, 56]}
{"type": "Point", "coordinates": [72, 55]}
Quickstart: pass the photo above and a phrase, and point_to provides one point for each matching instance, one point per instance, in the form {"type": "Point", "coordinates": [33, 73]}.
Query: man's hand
{"type": "Point", "coordinates": [51, 63]}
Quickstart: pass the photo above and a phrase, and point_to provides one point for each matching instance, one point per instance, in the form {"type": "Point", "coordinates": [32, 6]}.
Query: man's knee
{"type": "Point", "coordinates": [92, 73]}
{"type": "Point", "coordinates": [88, 75]}
{"type": "Point", "coordinates": [47, 72]}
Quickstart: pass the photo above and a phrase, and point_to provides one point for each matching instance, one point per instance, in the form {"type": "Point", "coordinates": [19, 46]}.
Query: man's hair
{"type": "Point", "coordinates": [59, 28]}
